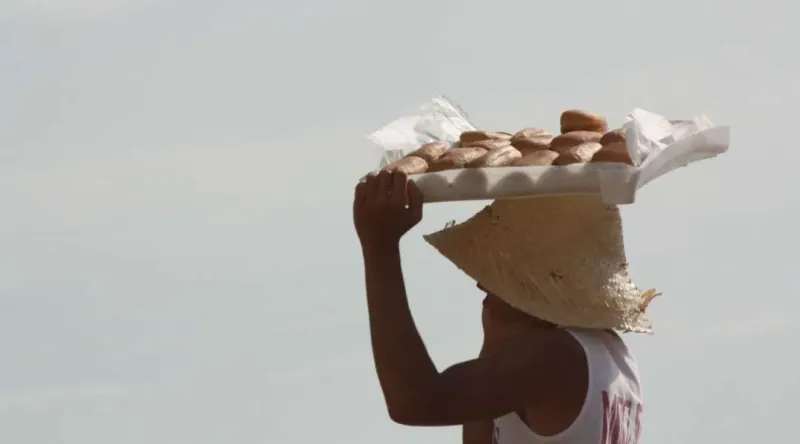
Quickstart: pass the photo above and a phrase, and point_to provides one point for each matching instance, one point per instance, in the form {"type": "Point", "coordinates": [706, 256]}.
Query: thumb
{"type": "Point", "coordinates": [414, 202]}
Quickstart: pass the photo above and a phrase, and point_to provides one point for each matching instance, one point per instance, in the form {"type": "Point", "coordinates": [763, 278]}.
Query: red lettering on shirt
{"type": "Point", "coordinates": [621, 420]}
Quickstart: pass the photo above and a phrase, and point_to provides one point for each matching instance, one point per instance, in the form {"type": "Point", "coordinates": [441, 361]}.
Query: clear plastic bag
{"type": "Point", "coordinates": [655, 144]}
{"type": "Point", "coordinates": [439, 120]}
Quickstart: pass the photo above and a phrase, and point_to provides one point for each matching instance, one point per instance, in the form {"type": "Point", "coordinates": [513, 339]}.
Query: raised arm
{"type": "Point", "coordinates": [386, 206]}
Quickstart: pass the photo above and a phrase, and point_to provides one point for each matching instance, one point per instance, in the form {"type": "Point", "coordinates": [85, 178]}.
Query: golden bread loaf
{"type": "Point", "coordinates": [616, 152]}
{"type": "Point", "coordinates": [529, 132]}
{"type": "Point", "coordinates": [497, 157]}
{"type": "Point", "coordinates": [533, 143]}
{"type": "Point", "coordinates": [537, 158]}
{"type": "Point", "coordinates": [617, 135]}
{"type": "Point", "coordinates": [408, 165]}
{"type": "Point", "coordinates": [455, 158]}
{"type": "Point", "coordinates": [578, 154]}
{"type": "Point", "coordinates": [568, 140]}
{"type": "Point", "coordinates": [468, 137]}
{"type": "Point", "coordinates": [430, 151]}
{"type": "Point", "coordinates": [491, 144]}
{"type": "Point", "coordinates": [579, 120]}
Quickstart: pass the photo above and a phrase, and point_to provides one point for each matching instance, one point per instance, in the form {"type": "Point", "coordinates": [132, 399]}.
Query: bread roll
{"type": "Point", "coordinates": [566, 141]}
{"type": "Point", "coordinates": [537, 158]}
{"type": "Point", "coordinates": [504, 156]}
{"type": "Point", "coordinates": [613, 152]}
{"type": "Point", "coordinates": [468, 137]}
{"type": "Point", "coordinates": [429, 152]}
{"type": "Point", "coordinates": [578, 120]}
{"type": "Point", "coordinates": [409, 165]}
{"type": "Point", "coordinates": [533, 143]}
{"type": "Point", "coordinates": [617, 135]}
{"type": "Point", "coordinates": [491, 144]}
{"type": "Point", "coordinates": [529, 132]}
{"type": "Point", "coordinates": [455, 158]}
{"type": "Point", "coordinates": [578, 154]}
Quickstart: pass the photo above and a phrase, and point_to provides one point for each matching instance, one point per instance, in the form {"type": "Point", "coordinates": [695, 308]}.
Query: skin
{"type": "Point", "coordinates": [526, 365]}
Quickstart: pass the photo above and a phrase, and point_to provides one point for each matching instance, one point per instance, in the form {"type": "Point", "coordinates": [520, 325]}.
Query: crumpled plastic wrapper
{"type": "Point", "coordinates": [439, 120]}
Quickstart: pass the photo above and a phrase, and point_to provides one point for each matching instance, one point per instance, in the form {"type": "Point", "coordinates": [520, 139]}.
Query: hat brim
{"type": "Point", "coordinates": [560, 259]}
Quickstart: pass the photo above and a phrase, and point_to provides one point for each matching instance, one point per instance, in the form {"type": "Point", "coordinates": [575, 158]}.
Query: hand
{"type": "Point", "coordinates": [385, 207]}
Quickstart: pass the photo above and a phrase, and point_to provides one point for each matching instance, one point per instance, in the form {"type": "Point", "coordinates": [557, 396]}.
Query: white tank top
{"type": "Point", "coordinates": [612, 411]}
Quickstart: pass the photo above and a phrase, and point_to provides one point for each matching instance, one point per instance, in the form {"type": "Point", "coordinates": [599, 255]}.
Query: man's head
{"type": "Point", "coordinates": [500, 320]}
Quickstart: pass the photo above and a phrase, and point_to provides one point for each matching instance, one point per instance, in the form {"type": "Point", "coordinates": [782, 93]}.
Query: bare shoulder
{"type": "Point", "coordinates": [554, 356]}
{"type": "Point", "coordinates": [533, 369]}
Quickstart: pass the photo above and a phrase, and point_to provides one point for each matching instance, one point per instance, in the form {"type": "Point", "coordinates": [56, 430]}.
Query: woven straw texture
{"type": "Point", "coordinates": [560, 259]}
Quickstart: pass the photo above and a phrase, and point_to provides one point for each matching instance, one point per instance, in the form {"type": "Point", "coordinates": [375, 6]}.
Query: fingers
{"type": "Point", "coordinates": [398, 190]}
{"type": "Point", "coordinates": [414, 202]}
{"type": "Point", "coordinates": [360, 192]}
{"type": "Point", "coordinates": [369, 186]}
{"type": "Point", "coordinates": [359, 197]}
{"type": "Point", "coordinates": [382, 186]}
{"type": "Point", "coordinates": [392, 189]}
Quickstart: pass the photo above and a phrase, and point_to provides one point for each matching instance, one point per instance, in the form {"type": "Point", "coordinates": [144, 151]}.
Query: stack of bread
{"type": "Point", "coordinates": [584, 138]}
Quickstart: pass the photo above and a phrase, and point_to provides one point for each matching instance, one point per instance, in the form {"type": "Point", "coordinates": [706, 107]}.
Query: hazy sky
{"type": "Point", "coordinates": [178, 263]}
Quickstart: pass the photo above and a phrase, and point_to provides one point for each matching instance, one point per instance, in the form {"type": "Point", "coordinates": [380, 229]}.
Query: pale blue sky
{"type": "Point", "coordinates": [178, 263]}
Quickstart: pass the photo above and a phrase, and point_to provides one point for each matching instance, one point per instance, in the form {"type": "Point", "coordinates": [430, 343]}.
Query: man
{"type": "Point", "coordinates": [534, 381]}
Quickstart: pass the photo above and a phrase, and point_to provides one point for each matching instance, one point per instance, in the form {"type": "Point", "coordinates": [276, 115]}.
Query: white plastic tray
{"type": "Point", "coordinates": [659, 147]}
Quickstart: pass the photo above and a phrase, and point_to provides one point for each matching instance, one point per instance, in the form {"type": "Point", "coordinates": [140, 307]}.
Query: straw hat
{"type": "Point", "coordinates": [560, 259]}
